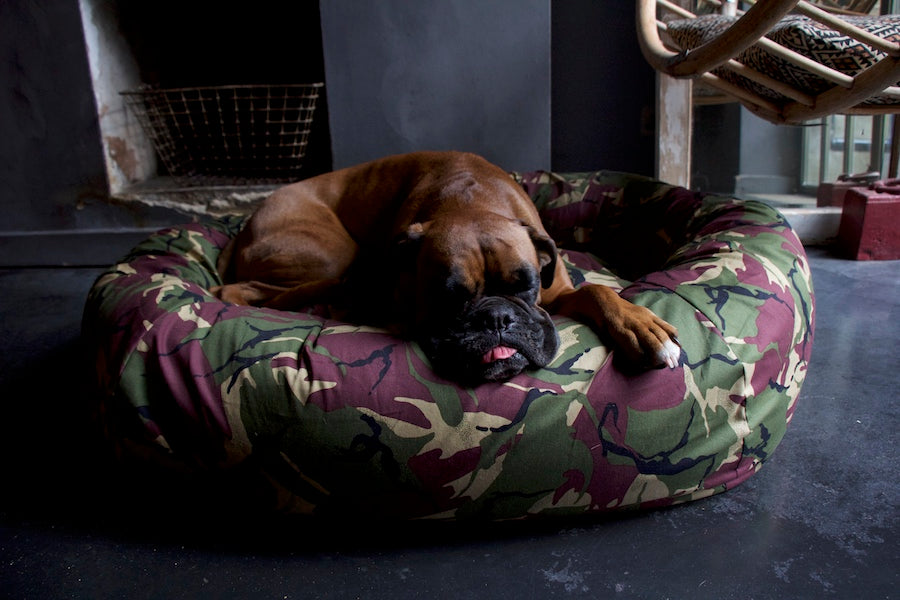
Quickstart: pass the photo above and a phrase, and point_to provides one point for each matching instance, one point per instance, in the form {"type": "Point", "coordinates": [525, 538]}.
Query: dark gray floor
{"type": "Point", "coordinates": [819, 521]}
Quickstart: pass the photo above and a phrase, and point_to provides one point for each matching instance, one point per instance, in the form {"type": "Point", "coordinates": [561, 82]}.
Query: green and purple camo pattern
{"type": "Point", "coordinates": [340, 418]}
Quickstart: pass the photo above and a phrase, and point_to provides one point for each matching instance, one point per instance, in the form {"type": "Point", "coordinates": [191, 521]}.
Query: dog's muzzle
{"type": "Point", "coordinates": [492, 340]}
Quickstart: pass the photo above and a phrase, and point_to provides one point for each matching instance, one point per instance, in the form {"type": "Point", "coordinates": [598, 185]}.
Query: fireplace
{"type": "Point", "coordinates": [206, 107]}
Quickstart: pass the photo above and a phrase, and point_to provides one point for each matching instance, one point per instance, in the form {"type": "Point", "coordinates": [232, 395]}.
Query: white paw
{"type": "Point", "coordinates": [669, 354]}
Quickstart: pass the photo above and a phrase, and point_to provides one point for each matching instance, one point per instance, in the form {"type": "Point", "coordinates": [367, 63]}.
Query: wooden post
{"type": "Point", "coordinates": [674, 126]}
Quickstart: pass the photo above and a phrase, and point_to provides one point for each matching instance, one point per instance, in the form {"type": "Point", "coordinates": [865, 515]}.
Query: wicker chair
{"type": "Point", "coordinates": [788, 61]}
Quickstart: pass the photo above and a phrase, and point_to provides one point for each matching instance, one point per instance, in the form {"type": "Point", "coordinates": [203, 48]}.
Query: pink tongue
{"type": "Point", "coordinates": [498, 353]}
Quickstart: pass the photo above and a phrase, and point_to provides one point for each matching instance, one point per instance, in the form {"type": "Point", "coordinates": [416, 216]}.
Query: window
{"type": "Point", "coordinates": [845, 144]}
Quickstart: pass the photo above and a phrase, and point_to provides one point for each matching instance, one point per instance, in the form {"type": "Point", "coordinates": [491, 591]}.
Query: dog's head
{"type": "Point", "coordinates": [478, 282]}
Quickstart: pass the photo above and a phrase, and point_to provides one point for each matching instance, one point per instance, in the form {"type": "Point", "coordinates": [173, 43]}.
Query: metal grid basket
{"type": "Point", "coordinates": [228, 134]}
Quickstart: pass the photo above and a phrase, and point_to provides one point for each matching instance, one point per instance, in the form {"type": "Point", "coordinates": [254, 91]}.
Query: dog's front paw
{"type": "Point", "coordinates": [669, 354]}
{"type": "Point", "coordinates": [645, 338]}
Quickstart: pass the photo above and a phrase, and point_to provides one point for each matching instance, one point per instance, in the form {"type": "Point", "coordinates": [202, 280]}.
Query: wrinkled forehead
{"type": "Point", "coordinates": [468, 250]}
{"type": "Point", "coordinates": [480, 232]}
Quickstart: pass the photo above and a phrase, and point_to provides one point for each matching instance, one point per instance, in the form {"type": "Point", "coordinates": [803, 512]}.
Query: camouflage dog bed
{"type": "Point", "coordinates": [333, 417]}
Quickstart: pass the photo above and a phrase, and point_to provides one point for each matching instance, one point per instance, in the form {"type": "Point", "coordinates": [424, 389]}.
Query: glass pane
{"type": "Point", "coordinates": [861, 136]}
{"type": "Point", "coordinates": [837, 162]}
{"type": "Point", "coordinates": [849, 140]}
{"type": "Point", "coordinates": [847, 148]}
{"type": "Point", "coordinates": [811, 161]}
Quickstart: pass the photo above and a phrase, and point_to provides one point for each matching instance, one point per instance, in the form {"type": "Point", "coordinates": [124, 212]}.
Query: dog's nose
{"type": "Point", "coordinates": [495, 317]}
{"type": "Point", "coordinates": [501, 322]}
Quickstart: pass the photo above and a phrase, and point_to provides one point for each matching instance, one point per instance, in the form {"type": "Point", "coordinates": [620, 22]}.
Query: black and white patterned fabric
{"type": "Point", "coordinates": [801, 34]}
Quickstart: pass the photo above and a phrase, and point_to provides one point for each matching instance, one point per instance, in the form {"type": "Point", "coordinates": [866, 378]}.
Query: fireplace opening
{"type": "Point", "coordinates": [204, 106]}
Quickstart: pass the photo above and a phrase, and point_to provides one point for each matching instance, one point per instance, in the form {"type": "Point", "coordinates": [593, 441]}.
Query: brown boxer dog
{"type": "Point", "coordinates": [442, 246]}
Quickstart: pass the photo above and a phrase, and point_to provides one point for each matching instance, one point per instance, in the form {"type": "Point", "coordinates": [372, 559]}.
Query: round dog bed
{"type": "Point", "coordinates": [337, 418]}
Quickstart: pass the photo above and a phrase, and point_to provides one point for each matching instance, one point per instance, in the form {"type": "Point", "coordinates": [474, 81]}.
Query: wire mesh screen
{"type": "Point", "coordinates": [228, 134]}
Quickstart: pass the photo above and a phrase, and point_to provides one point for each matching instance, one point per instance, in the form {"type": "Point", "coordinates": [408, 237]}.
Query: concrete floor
{"type": "Point", "coordinates": [819, 521]}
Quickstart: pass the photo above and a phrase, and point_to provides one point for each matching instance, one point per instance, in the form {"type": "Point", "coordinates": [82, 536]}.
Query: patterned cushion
{"type": "Point", "coordinates": [310, 415]}
{"type": "Point", "coordinates": [800, 34]}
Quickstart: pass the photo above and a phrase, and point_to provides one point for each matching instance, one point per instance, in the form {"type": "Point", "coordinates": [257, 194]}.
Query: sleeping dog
{"type": "Point", "coordinates": [442, 246]}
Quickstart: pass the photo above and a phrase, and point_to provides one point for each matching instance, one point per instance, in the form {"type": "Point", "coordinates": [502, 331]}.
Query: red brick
{"type": "Point", "coordinates": [870, 222]}
{"type": "Point", "coordinates": [833, 193]}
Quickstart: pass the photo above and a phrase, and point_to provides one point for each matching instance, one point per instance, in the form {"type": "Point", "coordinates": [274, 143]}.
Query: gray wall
{"type": "Point", "coordinates": [715, 148]}
{"type": "Point", "coordinates": [736, 152]}
{"type": "Point", "coordinates": [770, 157]}
{"type": "Point", "coordinates": [433, 75]}
{"type": "Point", "coordinates": [51, 168]}
{"type": "Point", "coordinates": [528, 84]}
{"type": "Point", "coordinates": [603, 89]}
{"type": "Point", "coordinates": [52, 176]}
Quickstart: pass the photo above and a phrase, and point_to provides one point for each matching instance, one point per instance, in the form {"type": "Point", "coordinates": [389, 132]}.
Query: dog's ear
{"type": "Point", "coordinates": [547, 255]}
{"type": "Point", "coordinates": [407, 244]}
{"type": "Point", "coordinates": [415, 232]}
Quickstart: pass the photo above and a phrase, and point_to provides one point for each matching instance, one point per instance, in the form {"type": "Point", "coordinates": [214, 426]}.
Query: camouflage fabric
{"type": "Point", "coordinates": [342, 418]}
